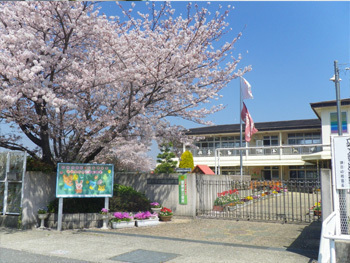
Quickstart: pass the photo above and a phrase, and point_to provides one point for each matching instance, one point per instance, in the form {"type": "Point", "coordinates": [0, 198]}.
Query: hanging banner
{"type": "Point", "coordinates": [341, 161]}
{"type": "Point", "coordinates": [84, 180]}
{"type": "Point", "coordinates": [183, 189]}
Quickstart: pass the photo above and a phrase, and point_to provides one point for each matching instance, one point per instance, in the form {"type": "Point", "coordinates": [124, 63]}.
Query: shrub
{"type": "Point", "coordinates": [125, 198]}
{"type": "Point", "coordinates": [37, 165]}
{"type": "Point", "coordinates": [186, 160]}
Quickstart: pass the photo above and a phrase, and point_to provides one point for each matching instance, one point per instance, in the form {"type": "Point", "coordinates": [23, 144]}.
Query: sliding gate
{"type": "Point", "coordinates": [285, 201]}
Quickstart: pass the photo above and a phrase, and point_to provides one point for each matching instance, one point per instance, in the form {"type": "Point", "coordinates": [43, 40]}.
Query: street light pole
{"type": "Point", "coordinates": [337, 93]}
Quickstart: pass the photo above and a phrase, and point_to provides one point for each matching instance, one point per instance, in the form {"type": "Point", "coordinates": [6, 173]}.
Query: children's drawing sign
{"type": "Point", "coordinates": [84, 180]}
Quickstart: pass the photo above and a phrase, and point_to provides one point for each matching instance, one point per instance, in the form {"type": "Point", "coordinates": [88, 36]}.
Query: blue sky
{"type": "Point", "coordinates": [291, 47]}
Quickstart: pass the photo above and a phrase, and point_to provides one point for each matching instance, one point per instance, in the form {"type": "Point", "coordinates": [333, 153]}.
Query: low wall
{"type": "Point", "coordinates": [9, 221]}
{"type": "Point", "coordinates": [74, 221]}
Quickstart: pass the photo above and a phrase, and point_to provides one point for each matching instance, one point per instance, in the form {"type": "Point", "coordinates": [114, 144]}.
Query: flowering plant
{"type": "Point", "coordinates": [317, 206]}
{"type": "Point", "coordinates": [104, 211]}
{"type": "Point", "coordinates": [42, 210]}
{"type": "Point", "coordinates": [144, 215]}
{"type": "Point", "coordinates": [120, 216]}
{"type": "Point", "coordinates": [166, 212]}
{"type": "Point", "coordinates": [155, 205]}
{"type": "Point", "coordinates": [226, 197]}
{"type": "Point", "coordinates": [276, 189]}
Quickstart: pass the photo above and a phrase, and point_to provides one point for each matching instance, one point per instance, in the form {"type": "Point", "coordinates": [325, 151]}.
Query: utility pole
{"type": "Point", "coordinates": [337, 93]}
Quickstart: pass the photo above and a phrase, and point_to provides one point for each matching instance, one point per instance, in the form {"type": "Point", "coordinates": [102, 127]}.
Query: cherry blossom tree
{"type": "Point", "coordinates": [84, 87]}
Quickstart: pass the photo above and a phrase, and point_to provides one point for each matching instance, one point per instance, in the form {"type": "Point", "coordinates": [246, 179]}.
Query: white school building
{"type": "Point", "coordinates": [294, 149]}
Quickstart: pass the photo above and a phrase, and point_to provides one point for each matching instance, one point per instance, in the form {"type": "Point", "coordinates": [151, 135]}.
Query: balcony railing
{"type": "Point", "coordinates": [260, 151]}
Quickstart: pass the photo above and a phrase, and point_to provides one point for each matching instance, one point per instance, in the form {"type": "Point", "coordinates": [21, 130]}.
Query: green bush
{"type": "Point", "coordinates": [124, 198]}
{"type": "Point", "coordinates": [37, 165]}
{"type": "Point", "coordinates": [77, 205]}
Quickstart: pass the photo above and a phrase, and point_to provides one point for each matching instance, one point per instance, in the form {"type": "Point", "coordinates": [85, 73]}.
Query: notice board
{"type": "Point", "coordinates": [84, 180]}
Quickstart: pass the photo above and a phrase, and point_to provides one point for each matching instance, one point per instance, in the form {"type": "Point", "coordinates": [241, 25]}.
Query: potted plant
{"type": "Point", "coordinates": [155, 207]}
{"type": "Point", "coordinates": [146, 219]}
{"type": "Point", "coordinates": [122, 220]}
{"type": "Point", "coordinates": [42, 214]}
{"type": "Point", "coordinates": [165, 214]}
{"type": "Point", "coordinates": [104, 216]}
{"type": "Point", "coordinates": [317, 208]}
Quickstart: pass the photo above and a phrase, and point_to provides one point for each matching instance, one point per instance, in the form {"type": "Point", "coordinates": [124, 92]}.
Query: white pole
{"type": "Point", "coordinates": [60, 210]}
{"type": "Point", "coordinates": [216, 155]}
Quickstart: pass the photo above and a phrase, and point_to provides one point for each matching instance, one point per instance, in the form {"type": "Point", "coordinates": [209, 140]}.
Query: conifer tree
{"type": "Point", "coordinates": [186, 160]}
{"type": "Point", "coordinates": [165, 159]}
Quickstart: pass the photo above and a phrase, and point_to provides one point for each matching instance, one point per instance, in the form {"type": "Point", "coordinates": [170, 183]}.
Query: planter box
{"type": "Point", "coordinates": [317, 212]}
{"type": "Point", "coordinates": [218, 208]}
{"type": "Point", "coordinates": [156, 210]}
{"type": "Point", "coordinates": [165, 218]}
{"type": "Point", "coordinates": [147, 222]}
{"type": "Point", "coordinates": [123, 224]}
{"type": "Point", "coordinates": [232, 208]}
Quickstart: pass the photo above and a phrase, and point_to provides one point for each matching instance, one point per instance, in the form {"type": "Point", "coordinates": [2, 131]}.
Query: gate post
{"type": "Point", "coordinates": [326, 193]}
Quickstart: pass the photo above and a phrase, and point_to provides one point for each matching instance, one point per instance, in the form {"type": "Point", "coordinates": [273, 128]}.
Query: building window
{"type": "Point", "coordinates": [220, 142]}
{"type": "Point", "coordinates": [232, 170]}
{"type": "Point", "coordinates": [270, 173]}
{"type": "Point", "coordinates": [304, 138]}
{"type": "Point", "coordinates": [334, 122]}
{"type": "Point", "coordinates": [270, 140]}
{"type": "Point", "coordinates": [302, 172]}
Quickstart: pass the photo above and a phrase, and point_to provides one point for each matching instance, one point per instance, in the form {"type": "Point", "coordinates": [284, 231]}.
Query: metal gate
{"type": "Point", "coordinates": [286, 201]}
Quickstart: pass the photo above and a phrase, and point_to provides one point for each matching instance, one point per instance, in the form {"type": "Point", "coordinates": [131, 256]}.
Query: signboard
{"type": "Point", "coordinates": [341, 158]}
{"type": "Point", "coordinates": [167, 181]}
{"type": "Point", "coordinates": [183, 189]}
{"type": "Point", "coordinates": [84, 180]}
{"type": "Point", "coordinates": [183, 170]}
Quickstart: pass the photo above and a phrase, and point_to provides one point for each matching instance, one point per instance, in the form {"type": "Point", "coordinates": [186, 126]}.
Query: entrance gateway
{"type": "Point", "coordinates": [285, 201]}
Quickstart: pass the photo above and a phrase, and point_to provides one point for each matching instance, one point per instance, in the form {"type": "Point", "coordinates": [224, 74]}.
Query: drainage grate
{"type": "Point", "coordinates": [144, 256]}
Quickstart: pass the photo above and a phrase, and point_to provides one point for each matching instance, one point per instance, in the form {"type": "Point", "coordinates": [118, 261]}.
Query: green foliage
{"type": "Point", "coordinates": [124, 199]}
{"type": "Point", "coordinates": [186, 160]}
{"type": "Point", "coordinates": [166, 164]}
{"type": "Point", "coordinates": [37, 165]}
{"type": "Point", "coordinates": [77, 205]}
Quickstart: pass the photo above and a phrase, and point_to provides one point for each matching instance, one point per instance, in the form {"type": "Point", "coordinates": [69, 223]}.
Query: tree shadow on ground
{"type": "Point", "coordinates": [307, 243]}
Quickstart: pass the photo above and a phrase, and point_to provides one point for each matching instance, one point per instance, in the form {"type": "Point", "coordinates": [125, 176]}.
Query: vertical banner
{"type": "Point", "coordinates": [84, 180]}
{"type": "Point", "coordinates": [183, 189]}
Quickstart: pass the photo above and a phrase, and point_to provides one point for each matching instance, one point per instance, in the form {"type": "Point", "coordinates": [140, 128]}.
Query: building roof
{"type": "Point", "coordinates": [205, 169]}
{"type": "Point", "coordinates": [261, 126]}
{"type": "Point", "coordinates": [329, 103]}
{"type": "Point", "coordinates": [332, 103]}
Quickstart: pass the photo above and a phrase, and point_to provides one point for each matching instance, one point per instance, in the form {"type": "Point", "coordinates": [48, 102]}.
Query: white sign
{"type": "Point", "coordinates": [341, 161]}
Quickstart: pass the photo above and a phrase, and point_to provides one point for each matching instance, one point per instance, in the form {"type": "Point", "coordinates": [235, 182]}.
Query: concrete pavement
{"type": "Point", "coordinates": [181, 240]}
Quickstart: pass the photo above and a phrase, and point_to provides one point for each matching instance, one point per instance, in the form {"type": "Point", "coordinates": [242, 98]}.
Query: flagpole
{"type": "Point", "coordinates": [240, 129]}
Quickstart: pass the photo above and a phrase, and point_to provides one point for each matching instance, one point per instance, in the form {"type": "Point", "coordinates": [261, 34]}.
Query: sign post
{"type": "Point", "coordinates": [83, 180]}
{"type": "Point", "coordinates": [341, 179]}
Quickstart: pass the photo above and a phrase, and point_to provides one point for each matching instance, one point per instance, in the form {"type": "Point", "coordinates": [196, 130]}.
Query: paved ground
{"type": "Point", "coordinates": [181, 240]}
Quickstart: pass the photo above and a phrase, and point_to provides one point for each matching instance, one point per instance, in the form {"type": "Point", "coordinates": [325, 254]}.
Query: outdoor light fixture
{"type": "Point", "coordinates": [333, 79]}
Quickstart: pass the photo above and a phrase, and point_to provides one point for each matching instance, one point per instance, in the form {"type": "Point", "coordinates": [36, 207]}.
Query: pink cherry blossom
{"type": "Point", "coordinates": [87, 88]}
